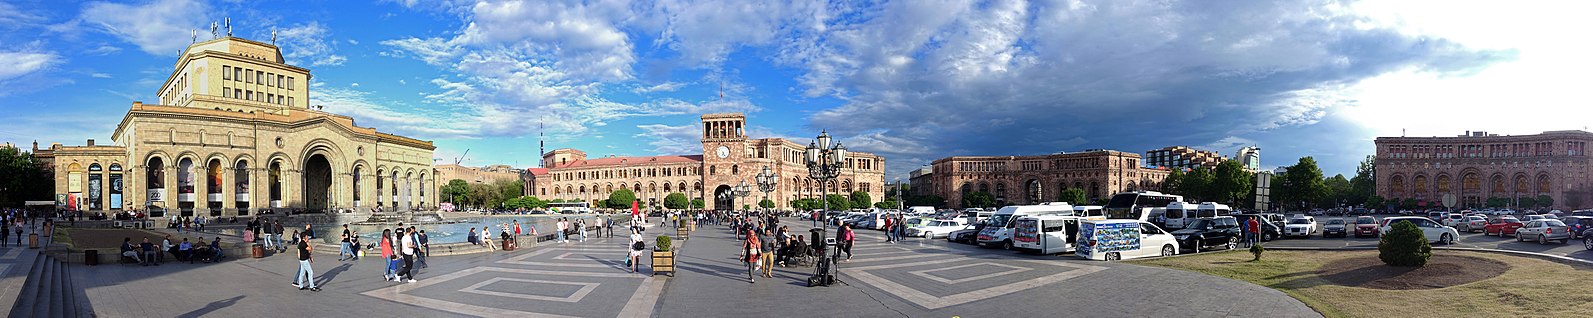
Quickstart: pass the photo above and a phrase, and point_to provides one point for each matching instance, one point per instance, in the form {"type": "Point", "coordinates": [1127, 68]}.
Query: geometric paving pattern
{"type": "Point", "coordinates": [935, 277]}
{"type": "Point", "coordinates": [551, 281]}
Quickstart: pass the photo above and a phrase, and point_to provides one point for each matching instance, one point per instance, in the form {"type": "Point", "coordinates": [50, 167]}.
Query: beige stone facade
{"type": "Point", "coordinates": [1478, 166]}
{"type": "Point", "coordinates": [1184, 157]}
{"type": "Point", "coordinates": [1037, 179]}
{"type": "Point", "coordinates": [728, 159]}
{"type": "Point", "coordinates": [208, 150]}
{"type": "Point", "coordinates": [488, 174]}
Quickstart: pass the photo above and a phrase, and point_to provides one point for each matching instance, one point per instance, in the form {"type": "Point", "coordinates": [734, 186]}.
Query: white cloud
{"type": "Point", "coordinates": [100, 75]}
{"type": "Point", "coordinates": [157, 27]}
{"type": "Point", "coordinates": [309, 41]}
{"type": "Point", "coordinates": [104, 50]}
{"type": "Point", "coordinates": [673, 140]}
{"type": "Point", "coordinates": [24, 63]}
{"type": "Point", "coordinates": [661, 87]}
{"type": "Point", "coordinates": [12, 17]}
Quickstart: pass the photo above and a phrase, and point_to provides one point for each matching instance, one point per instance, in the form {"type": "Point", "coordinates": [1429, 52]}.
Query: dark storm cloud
{"type": "Point", "coordinates": [1039, 77]}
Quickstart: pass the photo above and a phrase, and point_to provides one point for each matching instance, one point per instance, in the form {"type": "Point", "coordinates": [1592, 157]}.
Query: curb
{"type": "Point", "coordinates": [1551, 257]}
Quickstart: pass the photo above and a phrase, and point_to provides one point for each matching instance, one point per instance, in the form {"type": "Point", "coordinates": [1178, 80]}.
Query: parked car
{"type": "Point", "coordinates": [1301, 226]}
{"type": "Point", "coordinates": [1501, 225]}
{"type": "Point", "coordinates": [1582, 213]}
{"type": "Point", "coordinates": [934, 228]}
{"type": "Point", "coordinates": [966, 235]}
{"type": "Point", "coordinates": [1578, 224]}
{"type": "Point", "coordinates": [1269, 230]}
{"type": "Point", "coordinates": [1406, 212]}
{"type": "Point", "coordinates": [1533, 217]}
{"type": "Point", "coordinates": [1112, 240]}
{"type": "Point", "coordinates": [1335, 227]}
{"type": "Point", "coordinates": [1432, 230]}
{"type": "Point", "coordinates": [1453, 219]}
{"type": "Point", "coordinates": [1587, 239]}
{"type": "Point", "coordinates": [1205, 232]}
{"type": "Point", "coordinates": [1365, 226]}
{"type": "Point", "coordinates": [1544, 231]}
{"type": "Point", "coordinates": [1471, 224]}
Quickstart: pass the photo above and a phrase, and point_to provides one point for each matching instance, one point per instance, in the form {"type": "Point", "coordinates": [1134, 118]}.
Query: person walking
{"type": "Point", "coordinates": [844, 238]}
{"type": "Point", "coordinates": [425, 248]}
{"type": "Point", "coordinates": [280, 229]}
{"type": "Point", "coordinates": [345, 252]}
{"type": "Point", "coordinates": [1252, 231]}
{"type": "Point", "coordinates": [581, 223]}
{"type": "Point", "coordinates": [890, 226]}
{"type": "Point", "coordinates": [608, 225]}
{"type": "Point", "coordinates": [266, 233]}
{"type": "Point", "coordinates": [306, 277]}
{"type": "Point", "coordinates": [561, 227]}
{"type": "Point", "coordinates": [5, 233]}
{"type": "Point", "coordinates": [750, 254]}
{"type": "Point", "coordinates": [407, 243]}
{"type": "Point", "coordinates": [637, 246]}
{"type": "Point", "coordinates": [766, 256]}
{"type": "Point", "coordinates": [387, 255]}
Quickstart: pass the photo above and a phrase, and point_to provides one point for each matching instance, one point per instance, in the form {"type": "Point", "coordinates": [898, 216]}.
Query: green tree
{"type": "Point", "coordinates": [1527, 202]}
{"type": "Point", "coordinates": [1408, 203]}
{"type": "Point", "coordinates": [1198, 184]}
{"type": "Point", "coordinates": [1404, 245]}
{"type": "Point", "coordinates": [676, 201]}
{"type": "Point", "coordinates": [1338, 191]}
{"type": "Point", "coordinates": [861, 200]}
{"type": "Point", "coordinates": [23, 178]}
{"type": "Point", "coordinates": [1374, 202]}
{"type": "Point", "coordinates": [1364, 185]}
{"type": "Point", "coordinates": [887, 204]}
{"type": "Point", "coordinates": [1304, 183]}
{"type": "Point", "coordinates": [926, 200]}
{"type": "Point", "coordinates": [1074, 196]}
{"type": "Point", "coordinates": [455, 190]}
{"type": "Point", "coordinates": [1496, 202]}
{"type": "Point", "coordinates": [620, 199]}
{"type": "Point", "coordinates": [480, 195]}
{"type": "Point", "coordinates": [838, 202]}
{"type": "Point", "coordinates": [978, 199]}
{"type": "Point", "coordinates": [766, 203]}
{"type": "Point", "coordinates": [1544, 200]}
{"type": "Point", "coordinates": [697, 204]}
{"type": "Point", "coordinates": [1231, 183]}
{"type": "Point", "coordinates": [1174, 183]}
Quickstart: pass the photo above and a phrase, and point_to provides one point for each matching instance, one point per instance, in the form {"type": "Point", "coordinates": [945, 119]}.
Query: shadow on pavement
{"type": "Point", "coordinates": [213, 306]}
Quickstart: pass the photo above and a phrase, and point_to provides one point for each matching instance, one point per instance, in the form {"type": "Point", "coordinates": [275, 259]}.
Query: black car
{"type": "Point", "coordinates": [967, 235]}
{"type": "Point", "coordinates": [1269, 230]}
{"type": "Point", "coordinates": [1207, 232]}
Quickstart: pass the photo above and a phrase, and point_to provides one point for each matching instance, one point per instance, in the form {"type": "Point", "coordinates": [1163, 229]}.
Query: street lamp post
{"type": "Point", "coordinates": [767, 179]}
{"type": "Point", "coordinates": [824, 165]}
{"type": "Point", "coordinates": [740, 191]}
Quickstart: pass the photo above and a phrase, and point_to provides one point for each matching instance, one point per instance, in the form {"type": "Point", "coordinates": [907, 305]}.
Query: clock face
{"type": "Point", "coordinates": [723, 151]}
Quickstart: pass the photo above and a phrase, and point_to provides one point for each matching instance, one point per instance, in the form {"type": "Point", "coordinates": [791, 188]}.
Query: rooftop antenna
{"type": "Point", "coordinates": [273, 36]}
{"type": "Point", "coordinates": [542, 144]}
{"type": "Point", "coordinates": [229, 27]}
{"type": "Point", "coordinates": [193, 36]}
{"type": "Point", "coordinates": [213, 33]}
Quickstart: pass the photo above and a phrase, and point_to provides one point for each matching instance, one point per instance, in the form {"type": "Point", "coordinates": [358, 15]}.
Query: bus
{"type": "Point", "coordinates": [1180, 214]}
{"type": "Point", "coordinates": [1139, 205]}
{"type": "Point", "coordinates": [569, 207]}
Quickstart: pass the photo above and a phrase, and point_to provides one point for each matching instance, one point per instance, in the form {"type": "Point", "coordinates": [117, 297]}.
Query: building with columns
{"type": "Point", "coordinates": [1037, 179]}
{"type": "Point", "coordinates": [728, 159]}
{"type": "Point", "coordinates": [1477, 166]}
{"type": "Point", "coordinates": [233, 134]}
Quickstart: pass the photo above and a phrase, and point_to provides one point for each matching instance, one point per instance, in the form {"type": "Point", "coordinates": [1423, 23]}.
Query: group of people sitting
{"type": "Point", "coordinates": [147, 254]}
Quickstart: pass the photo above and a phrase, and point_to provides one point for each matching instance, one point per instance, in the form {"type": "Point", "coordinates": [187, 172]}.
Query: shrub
{"type": "Point", "coordinates": [662, 243]}
{"type": "Point", "coordinates": [1256, 249]}
{"type": "Point", "coordinates": [1404, 245]}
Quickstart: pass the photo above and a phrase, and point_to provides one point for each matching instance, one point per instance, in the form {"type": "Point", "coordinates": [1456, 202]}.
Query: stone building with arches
{"type": "Point", "coordinates": [1037, 179]}
{"type": "Point", "coordinates": [1477, 166]}
{"type": "Point", "coordinates": [728, 158]}
{"type": "Point", "coordinates": [234, 135]}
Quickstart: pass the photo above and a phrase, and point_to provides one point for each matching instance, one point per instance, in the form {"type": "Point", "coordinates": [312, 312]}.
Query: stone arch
{"type": "Point", "coordinates": [1496, 186]}
{"type": "Point", "coordinates": [984, 187]}
{"type": "Point", "coordinates": [1419, 186]}
{"type": "Point", "coordinates": [1443, 184]}
{"type": "Point", "coordinates": [1521, 185]}
{"type": "Point", "coordinates": [1544, 185]}
{"type": "Point", "coordinates": [1034, 192]}
{"type": "Point", "coordinates": [1396, 185]}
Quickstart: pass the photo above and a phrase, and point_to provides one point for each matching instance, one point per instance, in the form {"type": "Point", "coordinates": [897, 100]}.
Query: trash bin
{"type": "Point", "coordinates": [33, 240]}
{"type": "Point", "coordinates": [259, 251]}
{"type": "Point", "coordinates": [508, 245]}
{"type": "Point", "coordinates": [91, 257]}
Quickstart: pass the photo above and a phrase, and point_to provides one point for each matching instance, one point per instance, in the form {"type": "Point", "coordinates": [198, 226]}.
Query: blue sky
{"type": "Point", "coordinates": [911, 80]}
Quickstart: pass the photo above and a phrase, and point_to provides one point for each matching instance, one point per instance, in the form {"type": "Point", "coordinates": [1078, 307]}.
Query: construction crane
{"type": "Point", "coordinates": [461, 157]}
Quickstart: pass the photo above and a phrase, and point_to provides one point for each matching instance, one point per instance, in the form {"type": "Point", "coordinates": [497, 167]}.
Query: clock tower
{"type": "Point", "coordinates": [724, 147]}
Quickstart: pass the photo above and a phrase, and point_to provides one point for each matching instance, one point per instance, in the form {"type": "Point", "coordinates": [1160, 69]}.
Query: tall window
{"type": "Point", "coordinates": [226, 72]}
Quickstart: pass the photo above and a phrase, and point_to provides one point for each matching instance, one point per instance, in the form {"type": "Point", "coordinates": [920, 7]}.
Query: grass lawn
{"type": "Point", "coordinates": [1528, 287]}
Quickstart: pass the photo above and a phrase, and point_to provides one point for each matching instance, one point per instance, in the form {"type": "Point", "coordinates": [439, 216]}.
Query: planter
{"type": "Point", "coordinates": [683, 233]}
{"type": "Point", "coordinates": [664, 261]}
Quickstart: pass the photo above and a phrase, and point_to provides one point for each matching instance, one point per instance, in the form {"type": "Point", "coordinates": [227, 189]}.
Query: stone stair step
{"type": "Point", "coordinates": [69, 294]}
{"type": "Point", "coordinates": [41, 302]}
{"type": "Point", "coordinates": [25, 299]}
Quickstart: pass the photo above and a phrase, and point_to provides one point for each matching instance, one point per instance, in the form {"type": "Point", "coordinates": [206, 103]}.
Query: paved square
{"type": "Point", "coordinates": [973, 267]}
{"type": "Point", "coordinates": [576, 296]}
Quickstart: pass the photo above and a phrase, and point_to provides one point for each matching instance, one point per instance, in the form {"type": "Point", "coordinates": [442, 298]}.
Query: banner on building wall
{"type": "Point", "coordinates": [157, 195]}
{"type": "Point", "coordinates": [94, 194]}
{"type": "Point", "coordinates": [116, 191]}
{"type": "Point", "coordinates": [60, 201]}
{"type": "Point", "coordinates": [74, 182]}
{"type": "Point", "coordinates": [71, 201]}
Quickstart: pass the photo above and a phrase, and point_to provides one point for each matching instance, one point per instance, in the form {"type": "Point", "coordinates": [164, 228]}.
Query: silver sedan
{"type": "Point", "coordinates": [1544, 230]}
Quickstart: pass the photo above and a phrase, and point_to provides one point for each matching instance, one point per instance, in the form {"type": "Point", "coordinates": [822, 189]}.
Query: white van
{"type": "Point", "coordinates": [1119, 239]}
{"type": "Point", "coordinates": [998, 228]}
{"type": "Point", "coordinates": [1046, 234]}
{"type": "Point", "coordinates": [1093, 212]}
{"type": "Point", "coordinates": [1179, 214]}
{"type": "Point", "coordinates": [921, 210]}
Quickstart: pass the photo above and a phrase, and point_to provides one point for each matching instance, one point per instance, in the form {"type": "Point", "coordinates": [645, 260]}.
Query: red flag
{"type": "Point", "coordinates": [635, 210]}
